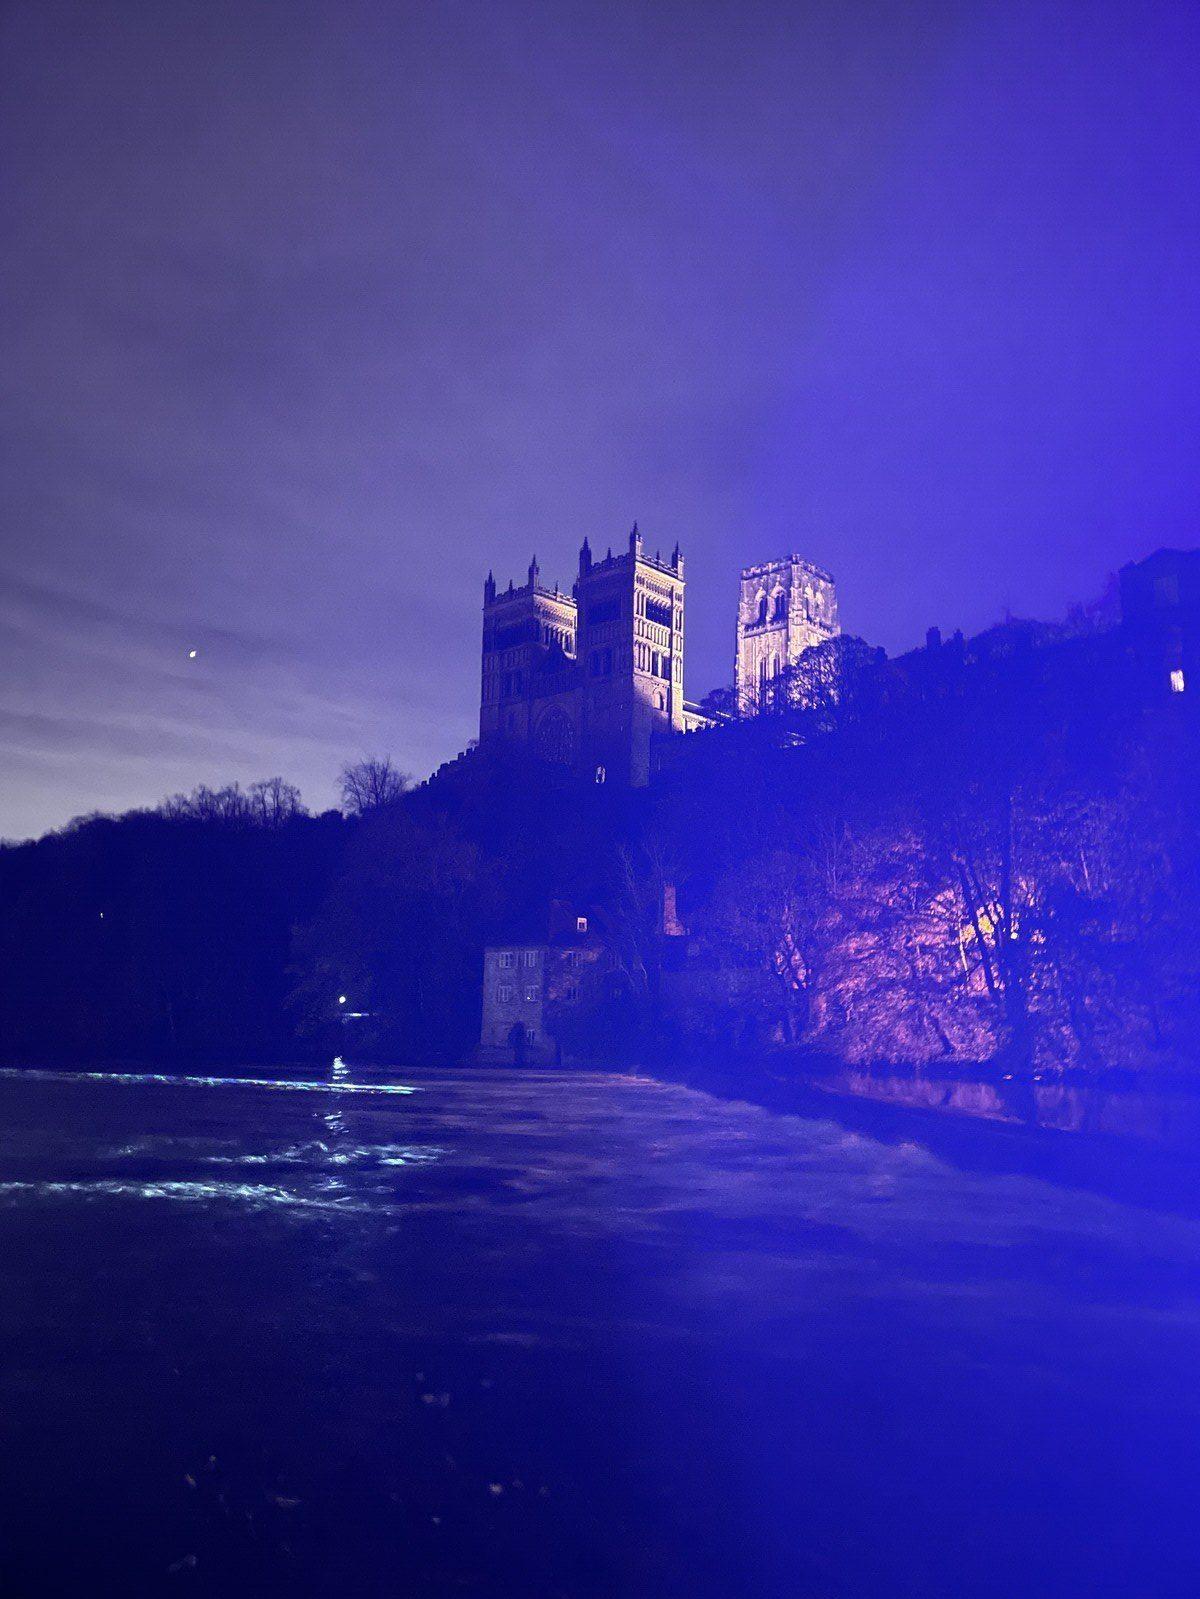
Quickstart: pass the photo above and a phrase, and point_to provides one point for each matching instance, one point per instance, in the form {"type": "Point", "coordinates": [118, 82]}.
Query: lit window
{"type": "Point", "coordinates": [581, 924]}
{"type": "Point", "coordinates": [1177, 680]}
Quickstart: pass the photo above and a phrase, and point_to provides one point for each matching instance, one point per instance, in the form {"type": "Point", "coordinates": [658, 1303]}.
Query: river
{"type": "Point", "coordinates": [547, 1334]}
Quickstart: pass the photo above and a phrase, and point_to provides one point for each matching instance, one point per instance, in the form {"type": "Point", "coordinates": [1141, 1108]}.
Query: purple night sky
{"type": "Point", "coordinates": [312, 313]}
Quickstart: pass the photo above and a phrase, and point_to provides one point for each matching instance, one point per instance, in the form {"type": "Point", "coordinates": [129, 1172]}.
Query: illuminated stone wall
{"type": "Point", "coordinates": [784, 608]}
{"type": "Point", "coordinates": [589, 678]}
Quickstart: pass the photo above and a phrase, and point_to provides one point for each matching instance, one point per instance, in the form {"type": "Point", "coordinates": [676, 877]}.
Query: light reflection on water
{"type": "Point", "coordinates": [317, 1166]}
{"type": "Point", "coordinates": [289, 1085]}
{"type": "Point", "coordinates": [734, 1314]}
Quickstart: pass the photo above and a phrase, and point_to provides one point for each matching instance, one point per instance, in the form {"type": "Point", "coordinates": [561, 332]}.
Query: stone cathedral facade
{"type": "Point", "coordinates": [591, 678]}
{"type": "Point", "coordinates": [784, 608]}
{"type": "Point", "coordinates": [594, 678]}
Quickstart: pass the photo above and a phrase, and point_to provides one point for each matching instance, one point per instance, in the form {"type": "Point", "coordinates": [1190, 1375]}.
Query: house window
{"type": "Point", "coordinates": [504, 994]}
{"type": "Point", "coordinates": [531, 992]}
{"type": "Point", "coordinates": [1177, 680]}
{"type": "Point", "coordinates": [529, 958]}
{"type": "Point", "coordinates": [581, 924]}
{"type": "Point", "coordinates": [505, 959]}
{"type": "Point", "coordinates": [531, 1035]}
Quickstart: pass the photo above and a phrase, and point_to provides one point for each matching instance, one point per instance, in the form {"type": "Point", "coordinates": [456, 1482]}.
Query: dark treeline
{"type": "Point", "coordinates": [982, 852]}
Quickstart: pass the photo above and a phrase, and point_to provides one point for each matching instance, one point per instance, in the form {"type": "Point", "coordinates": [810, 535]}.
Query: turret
{"type": "Point", "coordinates": [585, 558]}
{"type": "Point", "coordinates": [489, 589]}
{"type": "Point", "coordinates": [635, 543]}
{"type": "Point", "coordinates": [677, 559]}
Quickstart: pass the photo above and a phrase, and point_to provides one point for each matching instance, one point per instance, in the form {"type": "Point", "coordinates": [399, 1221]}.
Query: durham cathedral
{"type": "Point", "coordinates": [594, 678]}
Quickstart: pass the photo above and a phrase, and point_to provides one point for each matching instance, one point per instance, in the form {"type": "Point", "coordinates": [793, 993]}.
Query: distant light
{"type": "Point", "coordinates": [341, 999]}
{"type": "Point", "coordinates": [191, 655]}
{"type": "Point", "coordinates": [1177, 680]}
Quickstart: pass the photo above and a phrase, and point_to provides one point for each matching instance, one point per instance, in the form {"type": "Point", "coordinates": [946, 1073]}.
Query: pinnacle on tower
{"type": "Point", "coordinates": [585, 557]}
{"type": "Point", "coordinates": [635, 541]}
{"type": "Point", "coordinates": [489, 588]}
{"type": "Point", "coordinates": [676, 557]}
{"type": "Point", "coordinates": [533, 572]}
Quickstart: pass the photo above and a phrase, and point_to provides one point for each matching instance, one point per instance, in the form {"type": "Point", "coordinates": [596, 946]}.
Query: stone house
{"type": "Point", "coordinates": [533, 985]}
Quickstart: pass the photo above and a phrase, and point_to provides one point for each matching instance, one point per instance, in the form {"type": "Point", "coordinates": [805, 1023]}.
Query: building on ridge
{"type": "Point", "coordinates": [784, 608]}
{"type": "Point", "coordinates": [589, 679]}
{"type": "Point", "coordinates": [1160, 617]}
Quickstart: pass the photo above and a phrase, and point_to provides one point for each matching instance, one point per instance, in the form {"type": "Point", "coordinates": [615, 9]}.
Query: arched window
{"type": "Point", "coordinates": [775, 666]}
{"type": "Point", "coordinates": [554, 737]}
{"type": "Point", "coordinates": [762, 609]}
{"type": "Point", "coordinates": [779, 609]}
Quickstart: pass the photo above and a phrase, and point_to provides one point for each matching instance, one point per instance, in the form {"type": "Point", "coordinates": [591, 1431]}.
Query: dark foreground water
{"type": "Point", "coordinates": [553, 1334]}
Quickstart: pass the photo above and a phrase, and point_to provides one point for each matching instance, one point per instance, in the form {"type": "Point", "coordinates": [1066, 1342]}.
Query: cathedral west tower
{"type": "Point", "coordinates": [592, 678]}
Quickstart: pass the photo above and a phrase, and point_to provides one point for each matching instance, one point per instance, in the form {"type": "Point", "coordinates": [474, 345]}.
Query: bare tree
{"type": "Point", "coordinates": [372, 784]}
{"type": "Point", "coordinates": [274, 802]}
{"type": "Point", "coordinates": [228, 806]}
{"type": "Point", "coordinates": [265, 804]}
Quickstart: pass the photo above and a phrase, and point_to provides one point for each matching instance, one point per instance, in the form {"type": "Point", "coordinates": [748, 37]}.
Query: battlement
{"type": "Point", "coordinates": [635, 554]}
{"type": "Point", "coordinates": [532, 588]}
{"type": "Point", "coordinates": [793, 563]}
{"type": "Point", "coordinates": [526, 591]}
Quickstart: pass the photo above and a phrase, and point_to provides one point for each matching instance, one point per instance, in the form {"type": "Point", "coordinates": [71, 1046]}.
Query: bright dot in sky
{"type": "Point", "coordinates": [191, 655]}
{"type": "Point", "coordinates": [341, 999]}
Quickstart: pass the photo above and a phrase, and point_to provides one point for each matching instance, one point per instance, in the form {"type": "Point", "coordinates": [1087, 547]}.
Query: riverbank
{"type": "Point", "coordinates": [969, 1124]}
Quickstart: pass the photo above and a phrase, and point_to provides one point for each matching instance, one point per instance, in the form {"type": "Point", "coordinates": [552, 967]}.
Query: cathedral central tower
{"type": "Point", "coordinates": [784, 608]}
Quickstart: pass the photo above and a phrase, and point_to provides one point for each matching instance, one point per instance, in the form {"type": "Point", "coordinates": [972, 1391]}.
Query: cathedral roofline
{"type": "Point", "coordinates": [766, 568]}
{"type": "Point", "coordinates": [626, 558]}
{"type": "Point", "coordinates": [525, 592]}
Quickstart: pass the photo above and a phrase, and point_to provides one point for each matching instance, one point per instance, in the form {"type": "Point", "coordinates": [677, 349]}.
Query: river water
{"type": "Point", "coordinates": [560, 1334]}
